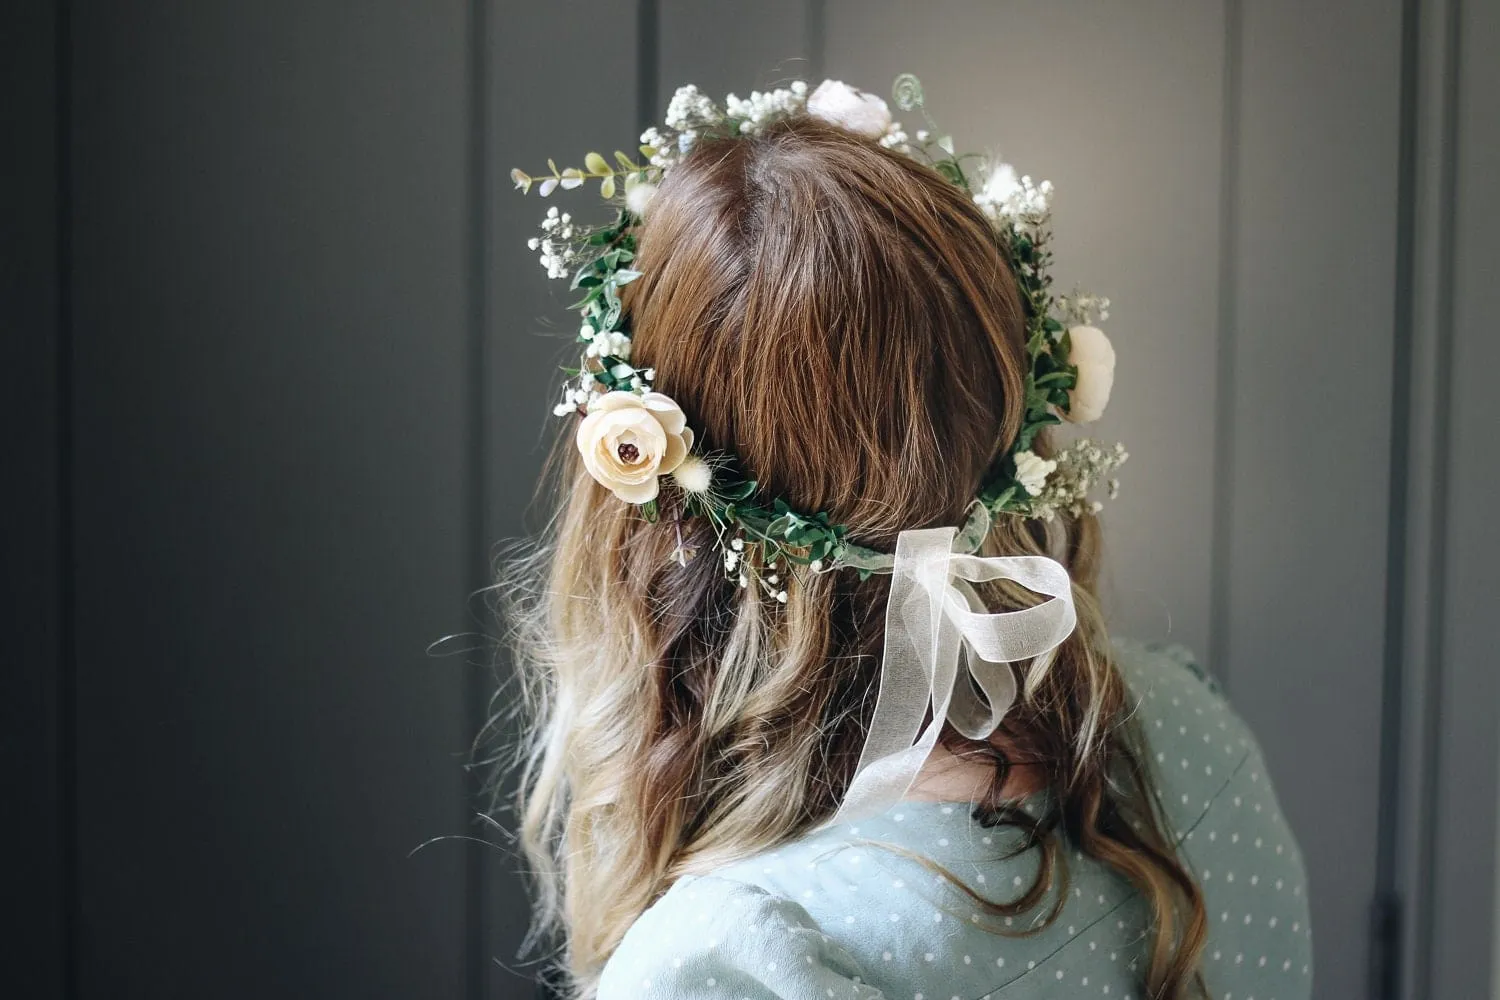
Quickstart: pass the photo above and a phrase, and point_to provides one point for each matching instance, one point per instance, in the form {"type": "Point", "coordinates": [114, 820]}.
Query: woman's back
{"type": "Point", "coordinates": [837, 914]}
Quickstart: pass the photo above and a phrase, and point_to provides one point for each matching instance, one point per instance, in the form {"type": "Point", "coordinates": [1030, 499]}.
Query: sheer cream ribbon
{"type": "Point", "coordinates": [943, 648]}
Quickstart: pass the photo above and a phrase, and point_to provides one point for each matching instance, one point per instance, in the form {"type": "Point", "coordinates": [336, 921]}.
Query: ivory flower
{"type": "Point", "coordinates": [837, 102]}
{"type": "Point", "coordinates": [1032, 471]}
{"type": "Point", "coordinates": [1094, 357]}
{"type": "Point", "coordinates": [627, 441]}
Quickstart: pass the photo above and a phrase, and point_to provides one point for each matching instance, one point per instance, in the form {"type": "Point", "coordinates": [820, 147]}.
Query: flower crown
{"type": "Point", "coordinates": [631, 437]}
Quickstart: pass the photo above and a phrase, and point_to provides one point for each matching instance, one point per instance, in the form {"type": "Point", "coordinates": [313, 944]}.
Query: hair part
{"type": "Point", "coordinates": [843, 321]}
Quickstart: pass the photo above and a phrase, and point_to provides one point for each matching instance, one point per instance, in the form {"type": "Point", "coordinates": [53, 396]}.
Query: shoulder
{"type": "Point", "coordinates": [708, 934]}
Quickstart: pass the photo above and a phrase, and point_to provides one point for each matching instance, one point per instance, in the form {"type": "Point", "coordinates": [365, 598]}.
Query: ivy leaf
{"type": "Point", "coordinates": [738, 491]}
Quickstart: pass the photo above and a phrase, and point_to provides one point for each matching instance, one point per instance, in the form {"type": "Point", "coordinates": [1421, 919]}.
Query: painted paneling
{"type": "Point", "coordinates": [1465, 898]}
{"type": "Point", "coordinates": [532, 111]}
{"type": "Point", "coordinates": [1314, 266]}
{"type": "Point", "coordinates": [770, 46]}
{"type": "Point", "coordinates": [269, 289]}
{"type": "Point", "coordinates": [33, 766]}
{"type": "Point", "coordinates": [1120, 106]}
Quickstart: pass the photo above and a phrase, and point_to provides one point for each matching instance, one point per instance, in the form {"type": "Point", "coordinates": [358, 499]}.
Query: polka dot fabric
{"type": "Point", "coordinates": [839, 914]}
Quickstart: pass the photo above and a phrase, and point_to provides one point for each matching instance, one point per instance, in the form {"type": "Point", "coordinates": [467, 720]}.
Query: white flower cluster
{"type": "Point", "coordinates": [556, 244]}
{"type": "Point", "coordinates": [761, 109]}
{"type": "Point", "coordinates": [691, 109]}
{"type": "Point", "coordinates": [1082, 308]}
{"type": "Point", "coordinates": [1032, 471]}
{"type": "Point", "coordinates": [606, 344]}
{"type": "Point", "coordinates": [663, 150]}
{"type": "Point", "coordinates": [1080, 467]}
{"type": "Point", "coordinates": [896, 138]}
{"type": "Point", "coordinates": [575, 395]}
{"type": "Point", "coordinates": [1006, 198]}
{"type": "Point", "coordinates": [734, 558]}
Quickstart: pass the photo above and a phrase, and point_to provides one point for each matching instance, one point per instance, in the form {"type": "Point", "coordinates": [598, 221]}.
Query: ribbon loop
{"type": "Point", "coordinates": [944, 649]}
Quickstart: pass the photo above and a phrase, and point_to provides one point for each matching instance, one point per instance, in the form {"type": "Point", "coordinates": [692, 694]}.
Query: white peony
{"type": "Point", "coordinates": [1094, 357]}
{"type": "Point", "coordinates": [859, 112]}
{"type": "Point", "coordinates": [627, 441]}
{"type": "Point", "coordinates": [1032, 471]}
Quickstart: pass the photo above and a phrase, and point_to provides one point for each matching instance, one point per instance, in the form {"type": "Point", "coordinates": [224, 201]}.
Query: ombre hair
{"type": "Point", "coordinates": [843, 322]}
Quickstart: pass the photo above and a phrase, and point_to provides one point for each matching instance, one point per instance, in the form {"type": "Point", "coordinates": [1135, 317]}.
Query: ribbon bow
{"type": "Point", "coordinates": [943, 647]}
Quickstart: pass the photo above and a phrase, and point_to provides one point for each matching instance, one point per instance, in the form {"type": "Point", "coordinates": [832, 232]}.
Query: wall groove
{"type": "Point", "coordinates": [1224, 375]}
{"type": "Point", "coordinates": [67, 672]}
{"type": "Point", "coordinates": [476, 681]}
{"type": "Point", "coordinates": [1446, 77]}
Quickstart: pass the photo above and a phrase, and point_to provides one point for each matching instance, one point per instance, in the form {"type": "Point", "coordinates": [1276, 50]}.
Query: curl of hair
{"type": "Point", "coordinates": [844, 322]}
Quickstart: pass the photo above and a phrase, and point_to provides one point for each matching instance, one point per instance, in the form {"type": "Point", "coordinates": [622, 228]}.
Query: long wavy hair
{"type": "Point", "coordinates": [842, 321]}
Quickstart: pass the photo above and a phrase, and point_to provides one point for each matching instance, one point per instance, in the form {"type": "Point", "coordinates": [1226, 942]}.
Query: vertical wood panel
{"type": "Point", "coordinates": [31, 566]}
{"type": "Point", "coordinates": [1119, 105]}
{"type": "Point", "coordinates": [1463, 931]}
{"type": "Point", "coordinates": [536, 110]}
{"type": "Point", "coordinates": [270, 479]}
{"type": "Point", "coordinates": [1312, 341]}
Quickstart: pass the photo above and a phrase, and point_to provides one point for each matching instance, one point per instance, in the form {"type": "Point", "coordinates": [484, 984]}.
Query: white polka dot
{"type": "Point", "coordinates": [895, 917]}
{"type": "Point", "coordinates": [942, 841]}
{"type": "Point", "coordinates": [1059, 973]}
{"type": "Point", "coordinates": [849, 919]}
{"type": "Point", "coordinates": [711, 981]}
{"type": "Point", "coordinates": [885, 956]}
{"type": "Point", "coordinates": [999, 963]}
{"type": "Point", "coordinates": [928, 957]}
{"type": "Point", "coordinates": [967, 960]}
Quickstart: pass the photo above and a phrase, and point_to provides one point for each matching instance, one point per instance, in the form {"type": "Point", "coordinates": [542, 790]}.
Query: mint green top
{"type": "Point", "coordinates": [832, 914]}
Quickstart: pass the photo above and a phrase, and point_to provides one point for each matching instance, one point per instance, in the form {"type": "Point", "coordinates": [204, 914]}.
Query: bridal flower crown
{"type": "Point", "coordinates": [632, 438]}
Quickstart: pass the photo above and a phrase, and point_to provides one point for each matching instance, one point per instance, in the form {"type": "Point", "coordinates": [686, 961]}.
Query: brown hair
{"type": "Point", "coordinates": [842, 321]}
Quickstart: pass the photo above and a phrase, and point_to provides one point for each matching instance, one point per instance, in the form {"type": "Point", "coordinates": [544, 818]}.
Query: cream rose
{"type": "Point", "coordinates": [837, 102]}
{"type": "Point", "coordinates": [627, 441]}
{"type": "Point", "coordinates": [1094, 357]}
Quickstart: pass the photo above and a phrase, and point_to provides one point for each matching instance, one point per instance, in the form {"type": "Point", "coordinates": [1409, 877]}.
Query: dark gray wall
{"type": "Point", "coordinates": [34, 745]}
{"type": "Point", "coordinates": [277, 363]}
